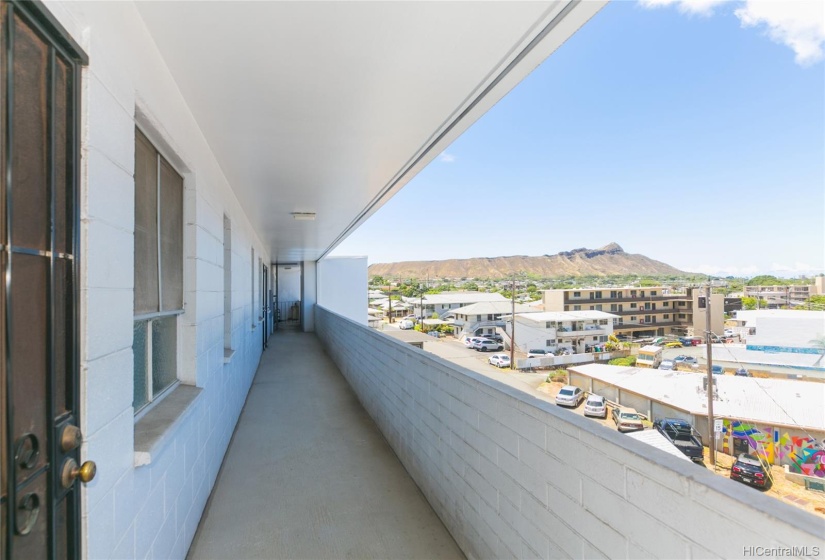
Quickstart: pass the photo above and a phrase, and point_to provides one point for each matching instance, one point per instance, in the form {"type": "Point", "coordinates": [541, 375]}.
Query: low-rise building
{"type": "Point", "coordinates": [777, 419]}
{"type": "Point", "coordinates": [643, 312]}
{"type": "Point", "coordinates": [578, 331]}
{"type": "Point", "coordinates": [785, 294]}
{"type": "Point", "coordinates": [480, 319]}
{"type": "Point", "coordinates": [780, 330]}
{"type": "Point", "coordinates": [449, 301]}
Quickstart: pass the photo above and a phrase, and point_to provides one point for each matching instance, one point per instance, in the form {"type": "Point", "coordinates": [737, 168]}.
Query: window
{"type": "Point", "coordinates": [642, 293]}
{"type": "Point", "coordinates": [632, 306]}
{"type": "Point", "coordinates": [666, 304]}
{"type": "Point", "coordinates": [667, 316]}
{"type": "Point", "coordinates": [653, 292]}
{"type": "Point", "coordinates": [158, 272]}
{"type": "Point", "coordinates": [252, 312]}
{"type": "Point", "coordinates": [681, 315]}
{"type": "Point", "coordinates": [603, 338]}
{"type": "Point", "coordinates": [633, 318]}
{"type": "Point", "coordinates": [602, 321]}
{"type": "Point", "coordinates": [592, 308]}
{"type": "Point", "coordinates": [548, 342]}
{"type": "Point", "coordinates": [598, 295]}
{"type": "Point", "coordinates": [227, 283]}
{"type": "Point", "coordinates": [577, 308]}
{"type": "Point", "coordinates": [614, 307]}
{"type": "Point", "coordinates": [599, 307]}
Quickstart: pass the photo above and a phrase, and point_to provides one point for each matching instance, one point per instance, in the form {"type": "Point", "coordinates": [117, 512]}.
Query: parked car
{"type": "Point", "coordinates": [595, 405]}
{"type": "Point", "coordinates": [742, 372]}
{"type": "Point", "coordinates": [499, 360]}
{"type": "Point", "coordinates": [405, 324]}
{"type": "Point", "coordinates": [728, 332]}
{"type": "Point", "coordinates": [717, 370]}
{"type": "Point", "coordinates": [570, 396]}
{"type": "Point", "coordinates": [679, 359]}
{"type": "Point", "coordinates": [627, 419]}
{"type": "Point", "coordinates": [412, 318]}
{"type": "Point", "coordinates": [667, 365]}
{"type": "Point", "coordinates": [495, 336]}
{"type": "Point", "coordinates": [690, 360]}
{"type": "Point", "coordinates": [748, 469]}
{"type": "Point", "coordinates": [487, 345]}
{"type": "Point", "coordinates": [684, 436]}
{"type": "Point", "coordinates": [470, 341]}
{"type": "Point", "coordinates": [539, 353]}
{"type": "Point", "coordinates": [673, 344]}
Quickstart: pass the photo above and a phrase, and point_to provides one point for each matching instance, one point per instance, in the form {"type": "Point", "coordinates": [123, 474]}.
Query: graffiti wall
{"type": "Point", "coordinates": [802, 452]}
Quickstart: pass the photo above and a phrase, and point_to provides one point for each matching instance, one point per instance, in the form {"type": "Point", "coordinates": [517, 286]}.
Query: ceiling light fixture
{"type": "Point", "coordinates": [303, 215]}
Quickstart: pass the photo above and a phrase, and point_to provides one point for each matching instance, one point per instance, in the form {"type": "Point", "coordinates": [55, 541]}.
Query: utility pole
{"type": "Point", "coordinates": [421, 310]}
{"type": "Point", "coordinates": [709, 346]}
{"type": "Point", "coordinates": [389, 296]}
{"type": "Point", "coordinates": [513, 325]}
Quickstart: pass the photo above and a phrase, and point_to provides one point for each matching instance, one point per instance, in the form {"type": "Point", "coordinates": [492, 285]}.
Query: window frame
{"type": "Point", "coordinates": [151, 317]}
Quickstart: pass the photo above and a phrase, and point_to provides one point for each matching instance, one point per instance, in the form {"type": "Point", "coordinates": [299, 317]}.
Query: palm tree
{"type": "Point", "coordinates": [819, 344]}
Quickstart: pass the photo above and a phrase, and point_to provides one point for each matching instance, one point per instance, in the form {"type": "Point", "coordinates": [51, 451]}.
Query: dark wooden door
{"type": "Point", "coordinates": [39, 440]}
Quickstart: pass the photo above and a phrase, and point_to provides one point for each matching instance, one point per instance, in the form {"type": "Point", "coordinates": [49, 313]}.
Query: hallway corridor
{"type": "Point", "coordinates": [309, 476]}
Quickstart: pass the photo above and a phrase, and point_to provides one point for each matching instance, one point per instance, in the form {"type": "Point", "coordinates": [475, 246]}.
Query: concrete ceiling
{"type": "Point", "coordinates": [331, 107]}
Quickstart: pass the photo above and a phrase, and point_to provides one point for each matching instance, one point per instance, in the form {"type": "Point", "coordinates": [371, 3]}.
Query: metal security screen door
{"type": "Point", "coordinates": [39, 439]}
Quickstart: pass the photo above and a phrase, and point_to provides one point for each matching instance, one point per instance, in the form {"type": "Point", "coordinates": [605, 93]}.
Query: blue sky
{"type": "Point", "coordinates": [683, 136]}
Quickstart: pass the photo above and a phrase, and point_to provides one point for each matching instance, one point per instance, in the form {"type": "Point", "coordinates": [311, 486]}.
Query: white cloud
{"type": "Point", "coordinates": [775, 269]}
{"type": "Point", "coordinates": [446, 158]}
{"type": "Point", "coordinates": [716, 270]}
{"type": "Point", "coordinates": [692, 7]}
{"type": "Point", "coordinates": [799, 24]}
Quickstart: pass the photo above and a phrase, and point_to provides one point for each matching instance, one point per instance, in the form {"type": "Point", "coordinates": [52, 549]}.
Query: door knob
{"type": "Point", "coordinates": [70, 471]}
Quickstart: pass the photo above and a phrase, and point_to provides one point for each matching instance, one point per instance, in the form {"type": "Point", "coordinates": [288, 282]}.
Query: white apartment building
{"type": "Point", "coordinates": [480, 319]}
{"type": "Point", "coordinates": [578, 331]}
{"type": "Point", "coordinates": [163, 165]}
{"type": "Point", "coordinates": [446, 302]}
{"type": "Point", "coordinates": [780, 330]}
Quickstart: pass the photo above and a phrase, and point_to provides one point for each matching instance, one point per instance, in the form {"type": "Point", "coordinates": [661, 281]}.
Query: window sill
{"type": "Point", "coordinates": [158, 426]}
{"type": "Point", "coordinates": [228, 354]}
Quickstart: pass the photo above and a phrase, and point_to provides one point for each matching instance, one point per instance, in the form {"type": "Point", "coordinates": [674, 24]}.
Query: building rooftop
{"type": "Point", "coordinates": [567, 315]}
{"type": "Point", "coordinates": [775, 401]}
{"type": "Point", "coordinates": [492, 307]}
{"type": "Point", "coordinates": [751, 314]}
{"type": "Point", "coordinates": [462, 297]}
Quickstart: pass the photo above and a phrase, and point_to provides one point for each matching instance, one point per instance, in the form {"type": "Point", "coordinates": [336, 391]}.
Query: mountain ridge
{"type": "Point", "coordinates": [604, 261]}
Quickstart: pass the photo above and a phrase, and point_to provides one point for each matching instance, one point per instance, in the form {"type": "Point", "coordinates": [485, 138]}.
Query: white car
{"type": "Point", "coordinates": [487, 345]}
{"type": "Point", "coordinates": [469, 342]}
{"type": "Point", "coordinates": [728, 332]}
{"type": "Point", "coordinates": [667, 365]}
{"type": "Point", "coordinates": [570, 396]}
{"type": "Point", "coordinates": [595, 405]}
{"type": "Point", "coordinates": [405, 324]}
{"type": "Point", "coordinates": [499, 360]}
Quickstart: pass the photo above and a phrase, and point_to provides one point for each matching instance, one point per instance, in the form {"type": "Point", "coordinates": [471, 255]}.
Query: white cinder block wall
{"type": "Point", "coordinates": [514, 476]}
{"type": "Point", "coordinates": [151, 511]}
{"type": "Point", "coordinates": [342, 286]}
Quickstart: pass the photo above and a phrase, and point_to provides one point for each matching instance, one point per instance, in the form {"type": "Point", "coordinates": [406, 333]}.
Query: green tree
{"type": "Point", "coordinates": [378, 281]}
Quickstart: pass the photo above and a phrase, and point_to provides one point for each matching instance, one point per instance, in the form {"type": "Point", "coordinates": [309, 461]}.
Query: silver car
{"type": "Point", "coordinates": [595, 405]}
{"type": "Point", "coordinates": [570, 396]}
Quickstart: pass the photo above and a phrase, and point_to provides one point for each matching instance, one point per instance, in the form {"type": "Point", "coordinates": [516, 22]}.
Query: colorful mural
{"type": "Point", "coordinates": [805, 455]}
{"type": "Point", "coordinates": [802, 454]}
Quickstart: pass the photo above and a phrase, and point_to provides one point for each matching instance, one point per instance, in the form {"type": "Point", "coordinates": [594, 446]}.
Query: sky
{"type": "Point", "coordinates": [689, 131]}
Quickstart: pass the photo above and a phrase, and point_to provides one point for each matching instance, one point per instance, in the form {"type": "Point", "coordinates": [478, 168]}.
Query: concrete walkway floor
{"type": "Point", "coordinates": [308, 475]}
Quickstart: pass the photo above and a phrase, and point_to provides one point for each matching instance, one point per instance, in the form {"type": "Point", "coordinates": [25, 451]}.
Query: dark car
{"type": "Point", "coordinates": [717, 370]}
{"type": "Point", "coordinates": [742, 372]}
{"type": "Point", "coordinates": [748, 469]}
{"type": "Point", "coordinates": [682, 435]}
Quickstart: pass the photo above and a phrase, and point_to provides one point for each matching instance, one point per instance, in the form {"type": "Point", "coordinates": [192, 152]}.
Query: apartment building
{"type": "Point", "coordinates": [578, 331]}
{"type": "Point", "coordinates": [446, 302]}
{"type": "Point", "coordinates": [643, 312]}
{"type": "Point", "coordinates": [160, 160]}
{"type": "Point", "coordinates": [785, 295]}
{"type": "Point", "coordinates": [480, 319]}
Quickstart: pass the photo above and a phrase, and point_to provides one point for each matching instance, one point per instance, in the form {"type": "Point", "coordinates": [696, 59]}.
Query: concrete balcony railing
{"type": "Point", "coordinates": [511, 475]}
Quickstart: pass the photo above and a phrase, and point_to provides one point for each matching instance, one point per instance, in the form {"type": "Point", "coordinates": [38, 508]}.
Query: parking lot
{"type": "Point", "coordinates": [535, 384]}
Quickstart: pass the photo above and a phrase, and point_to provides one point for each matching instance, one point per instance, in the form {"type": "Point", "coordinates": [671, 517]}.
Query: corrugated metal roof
{"type": "Point", "coordinates": [773, 401]}
{"type": "Point", "coordinates": [462, 297]}
{"type": "Point", "coordinates": [491, 307]}
{"type": "Point", "coordinates": [568, 315]}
